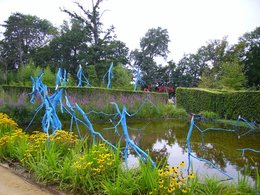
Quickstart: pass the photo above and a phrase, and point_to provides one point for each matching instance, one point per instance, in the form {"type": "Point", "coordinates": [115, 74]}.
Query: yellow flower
{"type": "Point", "coordinates": [160, 172]}
{"type": "Point", "coordinates": [172, 184]}
{"type": "Point", "coordinates": [175, 169]}
{"type": "Point", "coordinates": [171, 189]}
{"type": "Point", "coordinates": [81, 158]}
{"type": "Point", "coordinates": [161, 181]}
{"type": "Point", "coordinates": [191, 175]}
{"type": "Point", "coordinates": [184, 190]}
{"type": "Point", "coordinates": [182, 164]}
{"type": "Point", "coordinates": [178, 183]}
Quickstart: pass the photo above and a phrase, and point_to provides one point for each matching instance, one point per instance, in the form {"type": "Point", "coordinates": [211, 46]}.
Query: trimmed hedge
{"type": "Point", "coordinates": [229, 104]}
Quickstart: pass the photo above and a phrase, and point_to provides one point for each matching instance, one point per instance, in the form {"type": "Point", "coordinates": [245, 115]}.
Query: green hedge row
{"type": "Point", "coordinates": [229, 104]}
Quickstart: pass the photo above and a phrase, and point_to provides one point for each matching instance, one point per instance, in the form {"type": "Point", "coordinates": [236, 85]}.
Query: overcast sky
{"type": "Point", "coordinates": [190, 23]}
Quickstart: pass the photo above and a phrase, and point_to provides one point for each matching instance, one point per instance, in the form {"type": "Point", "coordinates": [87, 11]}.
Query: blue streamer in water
{"type": "Point", "coordinates": [129, 142]}
{"type": "Point", "coordinates": [192, 125]}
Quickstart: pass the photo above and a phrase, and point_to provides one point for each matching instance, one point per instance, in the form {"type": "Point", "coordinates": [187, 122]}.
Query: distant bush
{"type": "Point", "coordinates": [209, 115]}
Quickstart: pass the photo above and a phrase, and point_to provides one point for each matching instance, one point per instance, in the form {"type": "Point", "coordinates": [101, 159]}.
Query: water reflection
{"type": "Point", "coordinates": [167, 140]}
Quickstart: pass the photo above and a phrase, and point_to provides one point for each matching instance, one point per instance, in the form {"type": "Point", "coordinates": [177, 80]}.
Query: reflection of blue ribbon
{"type": "Point", "coordinates": [249, 149]}
{"type": "Point", "coordinates": [192, 125]}
{"type": "Point", "coordinates": [129, 143]}
{"type": "Point", "coordinates": [91, 129]}
{"type": "Point", "coordinates": [251, 125]}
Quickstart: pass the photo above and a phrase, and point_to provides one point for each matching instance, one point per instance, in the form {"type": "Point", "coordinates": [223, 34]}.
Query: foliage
{"type": "Point", "coordinates": [69, 48]}
{"type": "Point", "coordinates": [101, 48]}
{"type": "Point", "coordinates": [250, 56]}
{"type": "Point", "coordinates": [122, 78]}
{"type": "Point", "coordinates": [92, 75]}
{"type": "Point", "coordinates": [48, 77]}
{"type": "Point", "coordinates": [229, 103]}
{"type": "Point", "coordinates": [2, 78]}
{"type": "Point", "coordinates": [23, 35]}
{"type": "Point", "coordinates": [153, 44]}
{"type": "Point", "coordinates": [191, 67]}
{"type": "Point", "coordinates": [171, 111]}
{"type": "Point", "coordinates": [232, 77]}
{"type": "Point", "coordinates": [208, 80]}
{"type": "Point", "coordinates": [209, 115]}
{"type": "Point", "coordinates": [23, 74]}
{"type": "Point", "coordinates": [205, 63]}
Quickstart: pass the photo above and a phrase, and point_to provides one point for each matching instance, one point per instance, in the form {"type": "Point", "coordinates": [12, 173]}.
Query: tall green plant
{"type": "Point", "coordinates": [23, 74]}
{"type": "Point", "coordinates": [92, 75]}
{"type": "Point", "coordinates": [233, 76]}
{"type": "Point", "coordinates": [48, 77]}
{"type": "Point", "coordinates": [122, 77]}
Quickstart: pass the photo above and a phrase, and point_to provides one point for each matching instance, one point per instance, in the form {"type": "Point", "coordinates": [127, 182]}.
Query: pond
{"type": "Point", "coordinates": [166, 139]}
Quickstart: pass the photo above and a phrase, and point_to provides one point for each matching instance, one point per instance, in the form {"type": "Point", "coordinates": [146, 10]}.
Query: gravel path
{"type": "Point", "coordinates": [12, 184]}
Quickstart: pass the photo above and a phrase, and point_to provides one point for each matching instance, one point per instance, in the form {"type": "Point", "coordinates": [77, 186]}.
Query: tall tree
{"type": "Point", "coordinates": [22, 36]}
{"type": "Point", "coordinates": [191, 67]}
{"type": "Point", "coordinates": [102, 48]}
{"type": "Point", "coordinates": [153, 44]}
{"type": "Point", "coordinates": [98, 36]}
{"type": "Point", "coordinates": [251, 57]}
{"type": "Point", "coordinates": [206, 62]}
{"type": "Point", "coordinates": [70, 48]}
{"type": "Point", "coordinates": [233, 76]}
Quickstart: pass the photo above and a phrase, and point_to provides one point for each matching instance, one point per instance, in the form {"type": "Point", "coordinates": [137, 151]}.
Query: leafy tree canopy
{"type": "Point", "coordinates": [23, 35]}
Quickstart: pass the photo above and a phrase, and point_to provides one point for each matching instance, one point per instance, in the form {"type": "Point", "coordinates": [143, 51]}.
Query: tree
{"type": "Point", "coordinates": [122, 77]}
{"type": "Point", "coordinates": [102, 48]}
{"type": "Point", "coordinates": [250, 56]}
{"type": "Point", "coordinates": [191, 67]}
{"type": "Point", "coordinates": [70, 48]}
{"type": "Point", "coordinates": [205, 66]}
{"type": "Point", "coordinates": [92, 21]}
{"type": "Point", "coordinates": [208, 79]}
{"type": "Point", "coordinates": [23, 35]}
{"type": "Point", "coordinates": [92, 75]}
{"type": "Point", "coordinates": [153, 44]}
{"type": "Point", "coordinates": [233, 76]}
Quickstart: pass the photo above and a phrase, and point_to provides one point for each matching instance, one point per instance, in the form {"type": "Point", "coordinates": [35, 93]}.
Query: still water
{"type": "Point", "coordinates": [166, 139]}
